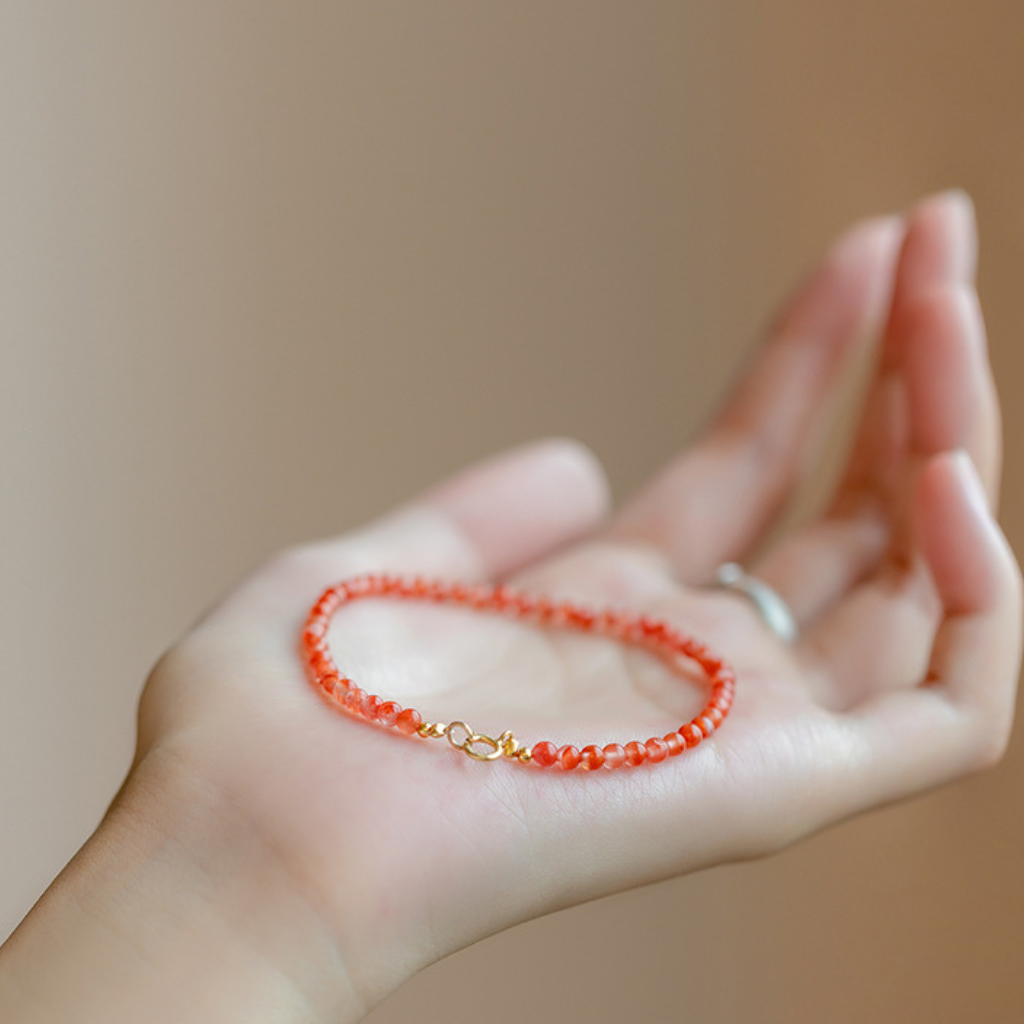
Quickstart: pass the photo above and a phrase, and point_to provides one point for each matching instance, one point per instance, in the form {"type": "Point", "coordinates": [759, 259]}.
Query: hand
{"type": "Point", "coordinates": [903, 677]}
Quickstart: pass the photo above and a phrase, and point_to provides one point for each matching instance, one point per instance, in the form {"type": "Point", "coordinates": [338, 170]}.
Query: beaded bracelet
{"type": "Point", "coordinates": [636, 630]}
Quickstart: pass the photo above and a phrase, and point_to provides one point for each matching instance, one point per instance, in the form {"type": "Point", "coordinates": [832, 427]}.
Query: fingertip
{"type": "Point", "coordinates": [578, 467]}
{"type": "Point", "coordinates": [941, 242]}
{"type": "Point", "coordinates": [522, 504]}
{"type": "Point", "coordinates": [845, 296]}
{"type": "Point", "coordinates": [878, 235]}
{"type": "Point", "coordinates": [955, 202]}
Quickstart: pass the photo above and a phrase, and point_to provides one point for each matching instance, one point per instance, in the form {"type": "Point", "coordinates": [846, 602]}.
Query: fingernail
{"type": "Point", "coordinates": [962, 207]}
{"type": "Point", "coordinates": [961, 217]}
{"type": "Point", "coordinates": [961, 199]}
{"type": "Point", "coordinates": [957, 199]}
{"type": "Point", "coordinates": [883, 232]}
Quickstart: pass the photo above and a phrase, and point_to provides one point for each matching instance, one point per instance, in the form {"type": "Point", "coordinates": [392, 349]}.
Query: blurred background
{"type": "Point", "coordinates": [268, 267]}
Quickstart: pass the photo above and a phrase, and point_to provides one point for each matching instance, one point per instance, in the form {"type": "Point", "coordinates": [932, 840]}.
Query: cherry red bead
{"type": "Point", "coordinates": [388, 712]}
{"type": "Point", "coordinates": [544, 754]}
{"type": "Point", "coordinates": [675, 743]}
{"type": "Point", "coordinates": [705, 725]}
{"type": "Point", "coordinates": [614, 756]}
{"type": "Point", "coordinates": [691, 734]}
{"type": "Point", "coordinates": [329, 681]}
{"type": "Point", "coordinates": [636, 753]}
{"type": "Point", "coordinates": [657, 749]}
{"type": "Point", "coordinates": [523, 604]}
{"type": "Point", "coordinates": [409, 721]}
{"type": "Point", "coordinates": [580, 617]}
{"type": "Point", "coordinates": [320, 662]}
{"type": "Point", "coordinates": [354, 699]}
{"type": "Point", "coordinates": [591, 757]}
{"type": "Point", "coordinates": [652, 628]}
{"type": "Point", "coordinates": [568, 757]}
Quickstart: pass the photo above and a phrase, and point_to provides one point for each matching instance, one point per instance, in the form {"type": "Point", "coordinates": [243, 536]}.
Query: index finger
{"type": "Point", "coordinates": [714, 501]}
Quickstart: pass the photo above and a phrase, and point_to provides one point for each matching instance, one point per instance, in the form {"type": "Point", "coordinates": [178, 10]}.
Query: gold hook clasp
{"type": "Point", "coordinates": [472, 742]}
{"type": "Point", "coordinates": [477, 745]}
{"type": "Point", "coordinates": [480, 746]}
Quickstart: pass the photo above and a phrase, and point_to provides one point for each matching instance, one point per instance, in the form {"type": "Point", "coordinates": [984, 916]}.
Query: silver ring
{"type": "Point", "coordinates": [772, 608]}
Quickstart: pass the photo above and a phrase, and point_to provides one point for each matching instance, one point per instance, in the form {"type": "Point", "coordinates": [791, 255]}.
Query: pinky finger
{"type": "Point", "coordinates": [958, 719]}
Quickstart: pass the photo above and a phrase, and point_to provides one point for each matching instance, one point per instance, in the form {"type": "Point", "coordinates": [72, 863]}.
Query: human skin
{"type": "Point", "coordinates": [268, 858]}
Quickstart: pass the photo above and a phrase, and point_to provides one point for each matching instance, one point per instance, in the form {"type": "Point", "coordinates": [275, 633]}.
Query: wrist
{"type": "Point", "coordinates": [177, 908]}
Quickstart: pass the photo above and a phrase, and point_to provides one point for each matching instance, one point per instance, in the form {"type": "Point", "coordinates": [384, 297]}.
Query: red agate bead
{"type": "Point", "coordinates": [691, 734]}
{"type": "Point", "coordinates": [409, 721]}
{"type": "Point", "coordinates": [544, 754]}
{"type": "Point", "coordinates": [568, 757]}
{"type": "Point", "coordinates": [636, 753]}
{"type": "Point", "coordinates": [657, 749]}
{"type": "Point", "coordinates": [675, 743]}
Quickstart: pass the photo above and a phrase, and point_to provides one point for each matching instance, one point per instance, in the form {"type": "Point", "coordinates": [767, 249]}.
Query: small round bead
{"type": "Point", "coordinates": [591, 757]}
{"type": "Point", "coordinates": [691, 734]}
{"type": "Point", "coordinates": [651, 627]}
{"type": "Point", "coordinates": [328, 681]}
{"type": "Point", "coordinates": [636, 753]}
{"type": "Point", "coordinates": [544, 754]}
{"type": "Point", "coordinates": [559, 616]}
{"type": "Point", "coordinates": [714, 716]}
{"type": "Point", "coordinates": [675, 744]}
{"type": "Point", "coordinates": [321, 662]}
{"type": "Point", "coordinates": [409, 721]}
{"type": "Point", "coordinates": [388, 712]}
{"type": "Point", "coordinates": [657, 749]}
{"type": "Point", "coordinates": [371, 705]}
{"type": "Point", "coordinates": [568, 757]}
{"type": "Point", "coordinates": [614, 756]}
{"type": "Point", "coordinates": [581, 618]}
{"type": "Point", "coordinates": [707, 727]}
{"type": "Point", "coordinates": [354, 699]}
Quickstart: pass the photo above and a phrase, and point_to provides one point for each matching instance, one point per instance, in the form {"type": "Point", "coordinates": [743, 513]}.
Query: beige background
{"type": "Point", "coordinates": [267, 267]}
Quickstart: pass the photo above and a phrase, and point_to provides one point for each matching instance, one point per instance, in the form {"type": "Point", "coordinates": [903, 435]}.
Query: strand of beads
{"type": "Point", "coordinates": [637, 630]}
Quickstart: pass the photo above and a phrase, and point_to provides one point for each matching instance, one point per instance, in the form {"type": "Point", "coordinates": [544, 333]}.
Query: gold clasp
{"type": "Point", "coordinates": [477, 745]}
{"type": "Point", "coordinates": [492, 748]}
{"type": "Point", "coordinates": [480, 746]}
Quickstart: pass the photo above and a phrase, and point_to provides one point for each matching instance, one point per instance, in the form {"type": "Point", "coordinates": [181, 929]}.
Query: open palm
{"type": "Point", "coordinates": [903, 676]}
